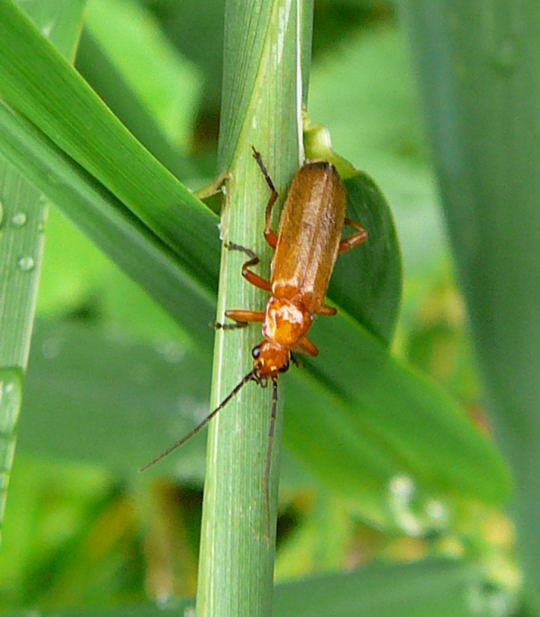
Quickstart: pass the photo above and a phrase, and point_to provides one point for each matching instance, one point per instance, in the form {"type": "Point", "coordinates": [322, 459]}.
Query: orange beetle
{"type": "Point", "coordinates": [307, 245]}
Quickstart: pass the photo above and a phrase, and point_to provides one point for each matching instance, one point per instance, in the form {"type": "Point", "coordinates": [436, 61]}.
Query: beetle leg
{"type": "Point", "coordinates": [269, 233]}
{"type": "Point", "coordinates": [326, 310]}
{"type": "Point", "coordinates": [248, 274]}
{"type": "Point", "coordinates": [245, 315]}
{"type": "Point", "coordinates": [228, 326]}
{"type": "Point", "coordinates": [355, 239]}
{"type": "Point", "coordinates": [241, 316]}
{"type": "Point", "coordinates": [307, 347]}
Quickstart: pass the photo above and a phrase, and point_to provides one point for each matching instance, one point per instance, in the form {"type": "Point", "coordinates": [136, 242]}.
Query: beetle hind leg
{"type": "Point", "coordinates": [355, 239]}
{"type": "Point", "coordinates": [269, 233]}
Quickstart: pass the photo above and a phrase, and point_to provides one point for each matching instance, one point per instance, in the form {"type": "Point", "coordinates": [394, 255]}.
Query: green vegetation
{"type": "Point", "coordinates": [388, 456]}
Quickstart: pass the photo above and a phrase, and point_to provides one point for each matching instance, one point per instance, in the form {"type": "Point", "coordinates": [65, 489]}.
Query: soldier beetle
{"type": "Point", "coordinates": [306, 248]}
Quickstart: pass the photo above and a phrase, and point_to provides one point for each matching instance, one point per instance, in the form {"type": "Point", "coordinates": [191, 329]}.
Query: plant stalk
{"type": "Point", "coordinates": [265, 43]}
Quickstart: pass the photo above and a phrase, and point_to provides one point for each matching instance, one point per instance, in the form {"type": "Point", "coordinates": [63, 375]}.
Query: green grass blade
{"type": "Point", "coordinates": [262, 100]}
{"type": "Point", "coordinates": [479, 74]}
{"type": "Point", "coordinates": [66, 109]}
{"type": "Point", "coordinates": [107, 80]}
{"type": "Point", "coordinates": [20, 257]}
{"type": "Point", "coordinates": [134, 40]}
{"type": "Point", "coordinates": [109, 224]}
{"type": "Point", "coordinates": [423, 589]}
{"type": "Point", "coordinates": [22, 221]}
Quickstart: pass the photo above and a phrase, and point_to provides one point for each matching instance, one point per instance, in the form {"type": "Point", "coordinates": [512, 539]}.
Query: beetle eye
{"type": "Point", "coordinates": [256, 351]}
{"type": "Point", "coordinates": [284, 368]}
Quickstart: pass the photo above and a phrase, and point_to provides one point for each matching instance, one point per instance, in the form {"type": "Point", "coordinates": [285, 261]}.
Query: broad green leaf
{"type": "Point", "coordinates": [71, 114]}
{"type": "Point", "coordinates": [70, 391]}
{"type": "Point", "coordinates": [22, 223]}
{"type": "Point", "coordinates": [367, 279]}
{"type": "Point", "coordinates": [423, 589]}
{"type": "Point", "coordinates": [131, 408]}
{"type": "Point", "coordinates": [401, 410]}
{"type": "Point", "coordinates": [479, 75]}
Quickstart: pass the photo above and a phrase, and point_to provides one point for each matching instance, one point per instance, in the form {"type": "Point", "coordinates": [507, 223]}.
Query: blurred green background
{"type": "Point", "coordinates": [91, 532]}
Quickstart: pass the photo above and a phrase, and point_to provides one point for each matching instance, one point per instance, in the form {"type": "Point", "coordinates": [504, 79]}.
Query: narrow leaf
{"type": "Point", "coordinates": [480, 79]}
{"type": "Point", "coordinates": [65, 108]}
{"type": "Point", "coordinates": [22, 224]}
{"type": "Point", "coordinates": [137, 250]}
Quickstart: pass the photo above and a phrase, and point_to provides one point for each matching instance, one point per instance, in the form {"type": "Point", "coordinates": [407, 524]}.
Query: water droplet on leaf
{"type": "Point", "coordinates": [19, 219]}
{"type": "Point", "coordinates": [26, 264]}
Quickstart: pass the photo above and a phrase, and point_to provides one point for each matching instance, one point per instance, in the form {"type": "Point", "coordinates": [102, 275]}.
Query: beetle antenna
{"type": "Point", "coordinates": [268, 462]}
{"type": "Point", "coordinates": [182, 441]}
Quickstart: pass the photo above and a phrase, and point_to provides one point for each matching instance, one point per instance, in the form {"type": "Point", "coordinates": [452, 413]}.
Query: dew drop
{"type": "Point", "coordinates": [26, 264]}
{"type": "Point", "coordinates": [402, 486]}
{"type": "Point", "coordinates": [436, 511]}
{"type": "Point", "coordinates": [401, 494]}
{"type": "Point", "coordinates": [10, 399]}
{"type": "Point", "coordinates": [19, 219]}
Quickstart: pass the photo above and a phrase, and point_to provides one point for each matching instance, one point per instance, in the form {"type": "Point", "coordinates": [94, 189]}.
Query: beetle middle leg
{"type": "Point", "coordinates": [248, 274]}
{"type": "Point", "coordinates": [354, 239]}
{"type": "Point", "coordinates": [269, 233]}
{"type": "Point", "coordinates": [242, 317]}
{"type": "Point", "coordinates": [307, 347]}
{"type": "Point", "coordinates": [326, 310]}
